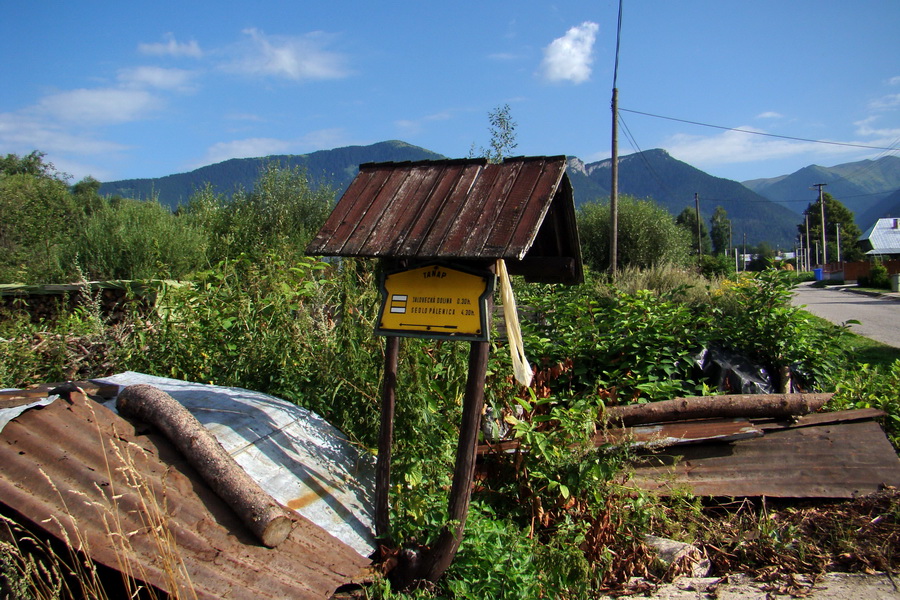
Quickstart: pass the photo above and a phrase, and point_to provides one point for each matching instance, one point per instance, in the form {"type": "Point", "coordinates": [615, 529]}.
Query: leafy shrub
{"type": "Point", "coordinates": [638, 346]}
{"type": "Point", "coordinates": [647, 235]}
{"type": "Point", "coordinates": [686, 284]}
{"type": "Point", "coordinates": [755, 317]}
{"type": "Point", "coordinates": [280, 214]}
{"type": "Point", "coordinates": [500, 553]}
{"type": "Point", "coordinates": [132, 239]}
{"type": "Point", "coordinates": [716, 266]}
{"type": "Point", "coordinates": [879, 277]}
{"type": "Point", "coordinates": [871, 387]}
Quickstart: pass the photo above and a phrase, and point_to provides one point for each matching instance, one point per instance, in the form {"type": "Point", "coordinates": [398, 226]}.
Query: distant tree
{"type": "Point", "coordinates": [648, 235]}
{"type": "Point", "coordinates": [502, 130]}
{"type": "Point", "coordinates": [836, 214]}
{"type": "Point", "coordinates": [688, 220]}
{"type": "Point", "coordinates": [87, 195]}
{"type": "Point", "coordinates": [31, 164]}
{"type": "Point", "coordinates": [281, 213]}
{"type": "Point", "coordinates": [763, 257]}
{"type": "Point", "coordinates": [721, 230]}
{"type": "Point", "coordinates": [37, 217]}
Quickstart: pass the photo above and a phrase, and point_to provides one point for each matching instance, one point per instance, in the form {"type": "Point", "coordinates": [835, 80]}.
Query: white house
{"type": "Point", "coordinates": [882, 239]}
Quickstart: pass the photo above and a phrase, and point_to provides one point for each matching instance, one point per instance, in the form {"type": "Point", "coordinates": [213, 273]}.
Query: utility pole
{"type": "Point", "coordinates": [614, 170]}
{"type": "Point", "coordinates": [838, 228]}
{"type": "Point", "coordinates": [744, 253]}
{"type": "Point", "coordinates": [808, 246]}
{"type": "Point", "coordinates": [697, 212]}
{"type": "Point", "coordinates": [614, 188]}
{"type": "Point", "coordinates": [822, 206]}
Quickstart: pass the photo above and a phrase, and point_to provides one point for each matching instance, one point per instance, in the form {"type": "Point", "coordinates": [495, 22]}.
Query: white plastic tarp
{"type": "Point", "coordinates": [295, 455]}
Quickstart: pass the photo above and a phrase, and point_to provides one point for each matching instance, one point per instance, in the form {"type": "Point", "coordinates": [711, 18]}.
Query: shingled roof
{"type": "Point", "coordinates": [521, 210]}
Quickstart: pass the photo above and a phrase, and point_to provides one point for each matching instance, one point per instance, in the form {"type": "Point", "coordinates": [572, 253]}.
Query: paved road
{"type": "Point", "coordinates": [879, 317]}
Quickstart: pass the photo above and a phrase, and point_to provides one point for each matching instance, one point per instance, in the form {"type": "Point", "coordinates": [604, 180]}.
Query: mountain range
{"type": "Point", "coordinates": [869, 188]}
{"type": "Point", "coordinates": [763, 209]}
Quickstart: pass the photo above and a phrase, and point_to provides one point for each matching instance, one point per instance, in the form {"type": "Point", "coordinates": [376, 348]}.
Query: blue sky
{"type": "Point", "coordinates": [123, 90]}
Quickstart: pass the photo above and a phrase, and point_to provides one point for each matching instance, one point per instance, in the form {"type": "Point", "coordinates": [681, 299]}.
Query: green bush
{"type": "Point", "coordinates": [637, 347]}
{"type": "Point", "coordinates": [647, 235]}
{"type": "Point", "coordinates": [754, 315]}
{"type": "Point", "coordinates": [878, 277]}
{"type": "Point", "coordinates": [132, 239]}
{"type": "Point", "coordinates": [867, 386]}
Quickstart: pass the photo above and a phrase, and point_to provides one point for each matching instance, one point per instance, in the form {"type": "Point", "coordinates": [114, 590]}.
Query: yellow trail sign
{"type": "Point", "coordinates": [436, 301]}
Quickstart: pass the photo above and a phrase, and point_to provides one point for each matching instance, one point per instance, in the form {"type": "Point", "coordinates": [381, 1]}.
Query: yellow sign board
{"type": "Point", "coordinates": [436, 301]}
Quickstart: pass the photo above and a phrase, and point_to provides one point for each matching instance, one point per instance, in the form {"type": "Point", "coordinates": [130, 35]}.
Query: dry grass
{"type": "Point", "coordinates": [39, 569]}
{"type": "Point", "coordinates": [858, 536]}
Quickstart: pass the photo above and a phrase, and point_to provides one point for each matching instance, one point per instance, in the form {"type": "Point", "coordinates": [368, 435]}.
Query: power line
{"type": "Point", "coordinates": [775, 135]}
{"type": "Point", "coordinates": [640, 153]}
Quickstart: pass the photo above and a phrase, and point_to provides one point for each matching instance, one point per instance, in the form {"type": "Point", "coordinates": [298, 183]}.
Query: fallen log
{"type": "Point", "coordinates": [266, 518]}
{"type": "Point", "coordinates": [751, 406]}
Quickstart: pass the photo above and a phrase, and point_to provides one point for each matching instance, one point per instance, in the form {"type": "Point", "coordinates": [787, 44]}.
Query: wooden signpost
{"type": "Point", "coordinates": [440, 228]}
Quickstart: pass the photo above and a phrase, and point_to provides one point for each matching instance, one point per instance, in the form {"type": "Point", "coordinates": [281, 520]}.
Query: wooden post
{"type": "Point", "coordinates": [444, 550]}
{"type": "Point", "coordinates": [385, 439]}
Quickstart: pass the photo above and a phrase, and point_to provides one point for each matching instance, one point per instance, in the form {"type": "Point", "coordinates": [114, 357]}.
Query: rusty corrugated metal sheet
{"type": "Point", "coordinates": [659, 435]}
{"type": "Point", "coordinates": [67, 467]}
{"type": "Point", "coordinates": [457, 209]}
{"type": "Point", "coordinates": [827, 460]}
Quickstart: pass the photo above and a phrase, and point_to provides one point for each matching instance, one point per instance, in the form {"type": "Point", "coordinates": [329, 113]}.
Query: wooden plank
{"type": "Point", "coordinates": [841, 460]}
{"type": "Point", "coordinates": [839, 416]}
{"type": "Point", "coordinates": [682, 432]}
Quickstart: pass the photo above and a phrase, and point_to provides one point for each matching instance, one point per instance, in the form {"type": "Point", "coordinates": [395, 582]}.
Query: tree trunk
{"type": "Point", "coordinates": [707, 407]}
{"type": "Point", "coordinates": [266, 518]}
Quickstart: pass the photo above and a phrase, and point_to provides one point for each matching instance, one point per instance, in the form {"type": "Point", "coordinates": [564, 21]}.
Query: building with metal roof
{"type": "Point", "coordinates": [883, 238]}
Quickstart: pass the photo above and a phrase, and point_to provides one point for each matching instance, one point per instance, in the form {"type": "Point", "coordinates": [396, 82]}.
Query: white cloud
{"type": "Point", "coordinates": [416, 126]}
{"type": "Point", "coordinates": [171, 47]}
{"type": "Point", "coordinates": [324, 139]}
{"type": "Point", "coordinates": [569, 57]}
{"type": "Point", "coordinates": [266, 146]}
{"type": "Point", "coordinates": [295, 58]}
{"type": "Point", "coordinates": [23, 133]}
{"type": "Point", "coordinates": [247, 148]}
{"type": "Point", "coordinates": [735, 147]}
{"type": "Point", "coordinates": [887, 137]}
{"type": "Point", "coordinates": [770, 115]}
{"type": "Point", "coordinates": [894, 80]}
{"type": "Point", "coordinates": [885, 102]}
{"type": "Point", "coordinates": [156, 77]}
{"type": "Point", "coordinates": [101, 106]}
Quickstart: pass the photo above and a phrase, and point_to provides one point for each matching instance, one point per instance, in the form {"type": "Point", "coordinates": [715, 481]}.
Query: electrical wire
{"type": "Point", "coordinates": [775, 135]}
{"type": "Point", "coordinates": [640, 153]}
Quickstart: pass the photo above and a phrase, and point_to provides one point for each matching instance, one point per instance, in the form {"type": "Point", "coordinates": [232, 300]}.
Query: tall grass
{"type": "Point", "coordinates": [39, 569]}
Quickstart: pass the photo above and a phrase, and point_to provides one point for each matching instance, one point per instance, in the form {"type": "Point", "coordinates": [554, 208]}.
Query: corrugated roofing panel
{"type": "Point", "coordinates": [834, 460]}
{"type": "Point", "coordinates": [78, 470]}
{"type": "Point", "coordinates": [464, 209]}
{"type": "Point", "coordinates": [296, 456]}
{"type": "Point", "coordinates": [884, 236]}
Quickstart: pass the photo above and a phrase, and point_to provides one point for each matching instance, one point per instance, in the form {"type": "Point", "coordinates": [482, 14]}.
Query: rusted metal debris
{"type": "Point", "coordinates": [826, 455]}
{"type": "Point", "coordinates": [842, 454]}
{"type": "Point", "coordinates": [682, 432]}
{"type": "Point", "coordinates": [521, 210]}
{"type": "Point", "coordinates": [76, 470]}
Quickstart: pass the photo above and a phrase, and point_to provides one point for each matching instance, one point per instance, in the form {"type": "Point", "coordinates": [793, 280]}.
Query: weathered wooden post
{"type": "Point", "coordinates": [440, 227]}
